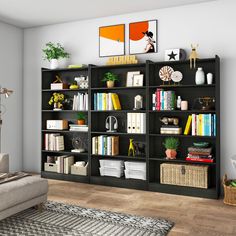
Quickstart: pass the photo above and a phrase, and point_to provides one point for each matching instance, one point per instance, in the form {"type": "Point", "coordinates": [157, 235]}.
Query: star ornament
{"type": "Point", "coordinates": [172, 55]}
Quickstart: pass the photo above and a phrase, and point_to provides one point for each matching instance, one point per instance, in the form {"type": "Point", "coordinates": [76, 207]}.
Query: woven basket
{"type": "Point", "coordinates": [184, 175]}
{"type": "Point", "coordinates": [229, 192]}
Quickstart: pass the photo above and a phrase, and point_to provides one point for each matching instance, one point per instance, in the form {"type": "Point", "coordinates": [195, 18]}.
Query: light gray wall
{"type": "Point", "coordinates": [211, 25]}
{"type": "Point", "coordinates": [11, 72]}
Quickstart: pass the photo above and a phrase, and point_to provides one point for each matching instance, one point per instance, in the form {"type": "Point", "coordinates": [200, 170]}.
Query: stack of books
{"type": "Point", "coordinates": [82, 128]}
{"type": "Point", "coordinates": [105, 145]}
{"type": "Point", "coordinates": [80, 102]}
{"type": "Point", "coordinates": [106, 102]}
{"type": "Point", "coordinates": [170, 129]}
{"type": "Point", "coordinates": [201, 125]}
{"type": "Point", "coordinates": [54, 142]}
{"type": "Point", "coordinates": [200, 154]}
{"type": "Point", "coordinates": [163, 100]}
{"type": "Point", "coordinates": [64, 164]}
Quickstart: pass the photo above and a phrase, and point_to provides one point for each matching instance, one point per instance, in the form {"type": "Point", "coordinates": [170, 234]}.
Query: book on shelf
{"type": "Point", "coordinates": [163, 100]}
{"type": "Point", "coordinates": [68, 162]}
{"type": "Point", "coordinates": [200, 154]}
{"type": "Point", "coordinates": [105, 145]}
{"type": "Point", "coordinates": [170, 129]}
{"type": "Point", "coordinates": [136, 123]}
{"type": "Point", "coordinates": [80, 102]}
{"type": "Point", "coordinates": [188, 126]}
{"type": "Point", "coordinates": [54, 142]}
{"type": "Point", "coordinates": [106, 102]}
{"type": "Point", "coordinates": [82, 128]}
{"type": "Point", "coordinates": [203, 124]}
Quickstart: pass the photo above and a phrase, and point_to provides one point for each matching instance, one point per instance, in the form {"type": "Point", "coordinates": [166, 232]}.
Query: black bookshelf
{"type": "Point", "coordinates": [153, 139]}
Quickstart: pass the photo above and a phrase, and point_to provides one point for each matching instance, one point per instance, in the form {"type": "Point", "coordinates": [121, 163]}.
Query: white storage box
{"type": "Point", "coordinates": [57, 124]}
{"type": "Point", "coordinates": [112, 163]}
{"type": "Point", "coordinates": [114, 172]}
{"type": "Point", "coordinates": [131, 165]}
{"type": "Point", "coordinates": [79, 170]}
{"type": "Point", "coordinates": [135, 174]}
{"type": "Point", "coordinates": [51, 167]}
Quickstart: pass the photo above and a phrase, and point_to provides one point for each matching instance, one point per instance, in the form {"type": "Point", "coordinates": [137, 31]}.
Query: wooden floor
{"type": "Point", "coordinates": [192, 216]}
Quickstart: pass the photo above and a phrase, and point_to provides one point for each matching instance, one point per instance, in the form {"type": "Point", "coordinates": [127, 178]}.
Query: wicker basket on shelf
{"type": "Point", "coordinates": [229, 192]}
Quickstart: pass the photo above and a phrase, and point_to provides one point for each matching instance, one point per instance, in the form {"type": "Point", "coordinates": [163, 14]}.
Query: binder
{"type": "Point", "coordinates": [143, 123]}
{"type": "Point", "coordinates": [133, 122]}
{"type": "Point", "coordinates": [129, 123]}
{"type": "Point", "coordinates": [138, 123]}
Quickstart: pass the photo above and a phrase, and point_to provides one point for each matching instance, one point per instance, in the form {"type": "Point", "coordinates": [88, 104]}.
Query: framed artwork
{"type": "Point", "coordinates": [112, 40]}
{"type": "Point", "coordinates": [143, 37]}
{"type": "Point", "coordinates": [138, 80]}
{"type": "Point", "coordinates": [130, 77]}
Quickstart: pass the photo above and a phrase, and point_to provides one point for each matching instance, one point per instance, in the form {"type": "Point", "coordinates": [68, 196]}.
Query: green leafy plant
{"type": "Point", "coordinates": [109, 76]}
{"type": "Point", "coordinates": [54, 51]}
{"type": "Point", "coordinates": [81, 116]}
{"type": "Point", "coordinates": [171, 143]}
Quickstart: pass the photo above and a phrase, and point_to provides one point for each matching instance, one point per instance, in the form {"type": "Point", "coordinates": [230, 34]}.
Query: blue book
{"type": "Point", "coordinates": [207, 124]}
{"type": "Point", "coordinates": [162, 100]}
{"type": "Point", "coordinates": [212, 125]}
{"type": "Point", "coordinates": [95, 102]}
{"type": "Point", "coordinates": [214, 119]}
{"type": "Point", "coordinates": [100, 101]}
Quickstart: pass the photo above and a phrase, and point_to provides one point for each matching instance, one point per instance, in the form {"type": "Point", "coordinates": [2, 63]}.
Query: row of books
{"type": "Point", "coordinates": [64, 164]}
{"type": "Point", "coordinates": [163, 100]}
{"type": "Point", "coordinates": [82, 128]}
{"type": "Point", "coordinates": [54, 142]}
{"type": "Point", "coordinates": [136, 123]}
{"type": "Point", "coordinates": [80, 102]}
{"type": "Point", "coordinates": [105, 145]}
{"type": "Point", "coordinates": [200, 154]}
{"type": "Point", "coordinates": [106, 101]}
{"type": "Point", "coordinates": [201, 125]}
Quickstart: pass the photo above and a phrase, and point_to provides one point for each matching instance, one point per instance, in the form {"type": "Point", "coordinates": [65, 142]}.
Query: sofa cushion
{"type": "Point", "coordinates": [21, 190]}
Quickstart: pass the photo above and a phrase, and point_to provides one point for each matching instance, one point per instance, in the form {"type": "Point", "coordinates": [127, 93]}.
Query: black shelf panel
{"type": "Point", "coordinates": [119, 88]}
{"type": "Point", "coordinates": [182, 136]}
{"type": "Point", "coordinates": [63, 131]}
{"type": "Point", "coordinates": [116, 133]}
{"type": "Point", "coordinates": [63, 111]}
{"type": "Point", "coordinates": [65, 90]}
{"type": "Point", "coordinates": [69, 177]}
{"type": "Point", "coordinates": [182, 86]}
{"type": "Point", "coordinates": [124, 111]}
{"type": "Point", "coordinates": [119, 66]}
{"type": "Point", "coordinates": [180, 111]}
{"type": "Point", "coordinates": [64, 69]}
{"type": "Point", "coordinates": [178, 160]}
{"type": "Point", "coordinates": [181, 190]}
{"type": "Point", "coordinates": [118, 157]}
{"type": "Point", "coordinates": [119, 182]}
{"type": "Point", "coordinates": [67, 152]}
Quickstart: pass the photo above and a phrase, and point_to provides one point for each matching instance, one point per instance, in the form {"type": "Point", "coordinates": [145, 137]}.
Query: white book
{"type": "Point", "coordinates": [46, 142]}
{"type": "Point", "coordinates": [197, 125]}
{"type": "Point", "coordinates": [193, 124]}
{"type": "Point", "coordinates": [138, 123]}
{"type": "Point", "coordinates": [129, 123]}
{"type": "Point", "coordinates": [86, 104]}
{"type": "Point", "coordinates": [59, 141]}
{"type": "Point", "coordinates": [77, 103]}
{"type": "Point", "coordinates": [68, 162]}
{"type": "Point", "coordinates": [100, 141]}
{"type": "Point", "coordinates": [109, 145]}
{"type": "Point", "coordinates": [143, 123]}
{"type": "Point", "coordinates": [74, 101]}
{"type": "Point", "coordinates": [133, 122]}
{"type": "Point", "coordinates": [110, 105]}
{"type": "Point", "coordinates": [94, 145]}
{"type": "Point", "coordinates": [154, 102]}
{"type": "Point", "coordinates": [81, 102]}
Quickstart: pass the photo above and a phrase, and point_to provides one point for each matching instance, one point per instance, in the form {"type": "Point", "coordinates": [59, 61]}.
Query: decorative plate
{"type": "Point", "coordinates": [176, 76]}
{"type": "Point", "coordinates": [201, 144]}
{"type": "Point", "coordinates": [165, 73]}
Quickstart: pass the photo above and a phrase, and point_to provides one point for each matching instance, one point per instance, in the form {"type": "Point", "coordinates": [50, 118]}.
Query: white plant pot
{"type": "Point", "coordinates": [54, 64]}
{"type": "Point", "coordinates": [200, 76]}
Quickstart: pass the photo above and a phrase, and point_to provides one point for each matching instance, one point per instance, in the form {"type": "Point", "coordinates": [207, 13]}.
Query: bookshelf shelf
{"type": "Point", "coordinates": [153, 140]}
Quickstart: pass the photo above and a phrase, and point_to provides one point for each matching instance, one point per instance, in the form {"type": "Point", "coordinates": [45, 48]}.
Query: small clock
{"type": "Point", "coordinates": [176, 76]}
{"type": "Point", "coordinates": [165, 73]}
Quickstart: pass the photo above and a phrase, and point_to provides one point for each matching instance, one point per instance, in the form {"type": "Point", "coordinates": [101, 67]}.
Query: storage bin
{"type": "Point", "coordinates": [79, 170]}
{"type": "Point", "coordinates": [184, 175]}
{"type": "Point", "coordinates": [111, 163]}
{"type": "Point", "coordinates": [114, 172]}
{"type": "Point", "coordinates": [229, 192]}
{"type": "Point", "coordinates": [135, 174]}
{"type": "Point", "coordinates": [51, 167]}
{"type": "Point", "coordinates": [131, 165]}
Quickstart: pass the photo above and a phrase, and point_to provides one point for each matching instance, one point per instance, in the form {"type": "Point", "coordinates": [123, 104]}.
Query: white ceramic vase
{"type": "Point", "coordinates": [54, 64]}
{"type": "Point", "coordinates": [200, 76]}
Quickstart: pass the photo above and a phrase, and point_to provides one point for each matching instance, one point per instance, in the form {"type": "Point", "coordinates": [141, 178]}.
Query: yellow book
{"type": "Point", "coordinates": [199, 127]}
{"type": "Point", "coordinates": [188, 125]}
{"type": "Point", "coordinates": [104, 101]}
{"type": "Point", "coordinates": [115, 101]}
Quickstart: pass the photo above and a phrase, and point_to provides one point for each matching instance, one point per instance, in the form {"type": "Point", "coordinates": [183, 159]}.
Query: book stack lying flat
{"type": "Point", "coordinates": [82, 128]}
{"type": "Point", "coordinates": [135, 170]}
{"type": "Point", "coordinates": [54, 142]}
{"type": "Point", "coordinates": [80, 102]}
{"type": "Point", "coordinates": [163, 100]}
{"type": "Point", "coordinates": [106, 102]}
{"type": "Point", "coordinates": [114, 168]}
{"type": "Point", "coordinates": [105, 145]}
{"type": "Point", "coordinates": [170, 129]}
{"type": "Point", "coordinates": [200, 154]}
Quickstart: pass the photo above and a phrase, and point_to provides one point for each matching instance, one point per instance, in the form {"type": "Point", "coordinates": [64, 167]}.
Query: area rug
{"type": "Point", "coordinates": [62, 219]}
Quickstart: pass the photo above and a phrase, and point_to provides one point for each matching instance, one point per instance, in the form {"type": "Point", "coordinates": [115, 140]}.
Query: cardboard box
{"type": "Point", "coordinates": [57, 124]}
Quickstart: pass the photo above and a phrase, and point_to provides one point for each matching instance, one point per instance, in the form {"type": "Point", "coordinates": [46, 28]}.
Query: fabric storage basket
{"type": "Point", "coordinates": [131, 165]}
{"type": "Point", "coordinates": [184, 175]}
{"type": "Point", "coordinates": [79, 170]}
{"type": "Point", "coordinates": [135, 174]}
{"type": "Point", "coordinates": [111, 163]}
{"type": "Point", "coordinates": [229, 192]}
{"type": "Point", "coordinates": [51, 167]}
{"type": "Point", "coordinates": [114, 172]}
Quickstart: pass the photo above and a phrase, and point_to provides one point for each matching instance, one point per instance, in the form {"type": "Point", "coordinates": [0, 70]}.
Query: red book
{"type": "Point", "coordinates": [200, 160]}
{"type": "Point", "coordinates": [158, 100]}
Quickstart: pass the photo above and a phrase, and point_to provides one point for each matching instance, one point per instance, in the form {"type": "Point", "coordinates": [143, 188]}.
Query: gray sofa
{"type": "Point", "coordinates": [18, 195]}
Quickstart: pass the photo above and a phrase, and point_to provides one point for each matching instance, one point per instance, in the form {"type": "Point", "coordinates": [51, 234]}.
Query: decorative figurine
{"type": "Point", "coordinates": [165, 73]}
{"type": "Point", "coordinates": [138, 102]}
{"type": "Point", "coordinates": [193, 56]}
{"type": "Point", "coordinates": [111, 124]}
{"type": "Point", "coordinates": [78, 145]}
{"type": "Point", "coordinates": [131, 150]}
{"type": "Point", "coordinates": [169, 120]}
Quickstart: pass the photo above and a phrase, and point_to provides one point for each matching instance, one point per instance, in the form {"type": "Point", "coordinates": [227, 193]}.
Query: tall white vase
{"type": "Point", "coordinates": [54, 64]}
{"type": "Point", "coordinates": [200, 76]}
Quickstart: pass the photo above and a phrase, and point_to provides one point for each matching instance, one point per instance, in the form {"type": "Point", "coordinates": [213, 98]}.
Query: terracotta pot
{"type": "Point", "coordinates": [110, 84]}
{"type": "Point", "coordinates": [81, 122]}
{"type": "Point", "coordinates": [171, 153]}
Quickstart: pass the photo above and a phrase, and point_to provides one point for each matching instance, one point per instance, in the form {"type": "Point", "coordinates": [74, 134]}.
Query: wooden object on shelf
{"type": "Point", "coordinates": [121, 60]}
{"type": "Point", "coordinates": [57, 124]}
{"type": "Point", "coordinates": [229, 192]}
{"type": "Point", "coordinates": [58, 84]}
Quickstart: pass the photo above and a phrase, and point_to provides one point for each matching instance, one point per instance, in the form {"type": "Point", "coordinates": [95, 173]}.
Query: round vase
{"type": "Point", "coordinates": [54, 64]}
{"type": "Point", "coordinates": [200, 76]}
{"type": "Point", "coordinates": [110, 84]}
{"type": "Point", "coordinates": [171, 154]}
{"type": "Point", "coordinates": [80, 122]}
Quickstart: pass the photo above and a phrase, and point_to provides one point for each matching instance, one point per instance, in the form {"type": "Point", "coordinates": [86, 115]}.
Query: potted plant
{"type": "Point", "coordinates": [110, 78]}
{"type": "Point", "coordinates": [81, 118]}
{"type": "Point", "coordinates": [54, 52]}
{"type": "Point", "coordinates": [171, 144]}
{"type": "Point", "coordinates": [56, 100]}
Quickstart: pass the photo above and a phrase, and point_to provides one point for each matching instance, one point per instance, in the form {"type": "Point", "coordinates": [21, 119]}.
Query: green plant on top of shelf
{"type": "Point", "coordinates": [171, 144]}
{"type": "Point", "coordinates": [110, 79]}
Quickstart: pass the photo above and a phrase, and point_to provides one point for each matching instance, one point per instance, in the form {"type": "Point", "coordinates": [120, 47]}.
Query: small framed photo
{"type": "Point", "coordinates": [130, 77]}
{"type": "Point", "coordinates": [138, 80]}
